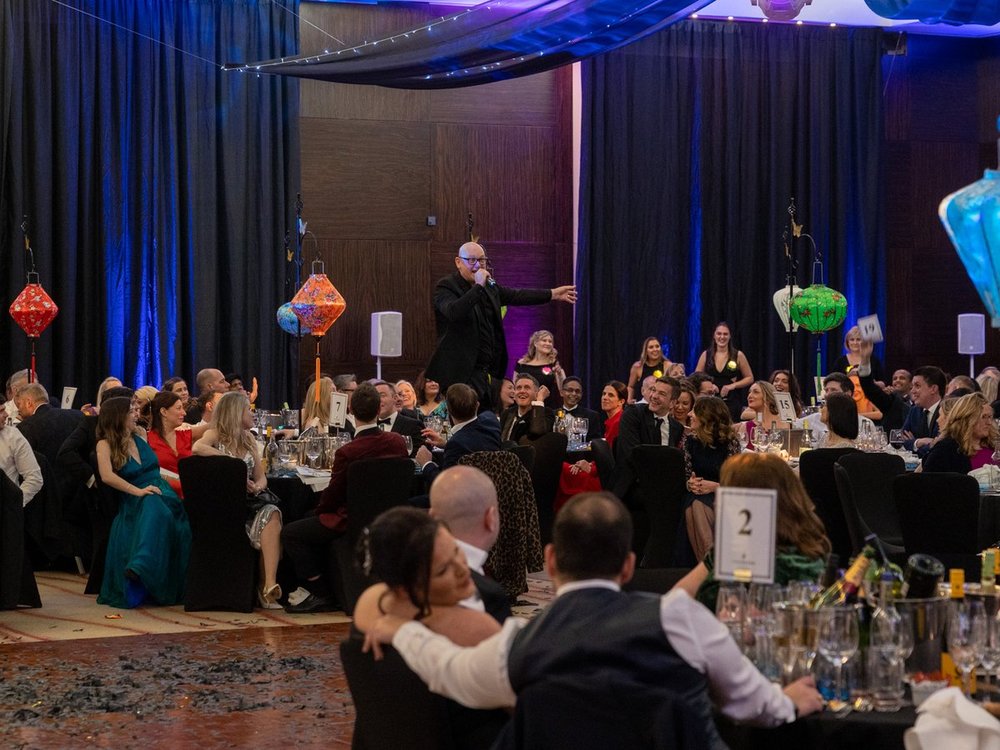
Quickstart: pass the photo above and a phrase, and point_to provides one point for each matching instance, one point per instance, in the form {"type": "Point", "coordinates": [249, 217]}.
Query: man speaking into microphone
{"type": "Point", "coordinates": [471, 347]}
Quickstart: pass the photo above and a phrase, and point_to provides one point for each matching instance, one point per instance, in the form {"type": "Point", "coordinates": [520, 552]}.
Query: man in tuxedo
{"type": "Point", "coordinates": [646, 424]}
{"type": "Point", "coordinates": [305, 541]}
{"type": "Point", "coordinates": [471, 346]}
{"type": "Point", "coordinates": [469, 433]}
{"type": "Point", "coordinates": [390, 420]}
{"type": "Point", "coordinates": [595, 633]}
{"type": "Point", "coordinates": [528, 417]}
{"type": "Point", "coordinates": [44, 426]}
{"type": "Point", "coordinates": [465, 499]}
{"type": "Point", "coordinates": [572, 395]}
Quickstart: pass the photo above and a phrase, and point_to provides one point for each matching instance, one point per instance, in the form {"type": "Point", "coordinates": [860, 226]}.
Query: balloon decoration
{"type": "Point", "coordinates": [33, 309]}
{"type": "Point", "coordinates": [289, 322]}
{"type": "Point", "coordinates": [317, 305]}
{"type": "Point", "coordinates": [971, 217]}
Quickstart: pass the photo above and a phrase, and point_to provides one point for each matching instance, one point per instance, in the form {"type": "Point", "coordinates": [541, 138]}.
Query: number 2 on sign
{"type": "Point", "coordinates": [745, 528]}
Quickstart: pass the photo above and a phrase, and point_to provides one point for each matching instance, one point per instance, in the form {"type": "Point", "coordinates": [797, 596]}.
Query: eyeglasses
{"type": "Point", "coordinates": [475, 262]}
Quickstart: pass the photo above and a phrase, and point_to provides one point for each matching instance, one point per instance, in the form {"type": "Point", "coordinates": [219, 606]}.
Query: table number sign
{"type": "Point", "coordinates": [68, 396]}
{"type": "Point", "coordinates": [786, 406]}
{"type": "Point", "coordinates": [338, 409]}
{"type": "Point", "coordinates": [745, 521]}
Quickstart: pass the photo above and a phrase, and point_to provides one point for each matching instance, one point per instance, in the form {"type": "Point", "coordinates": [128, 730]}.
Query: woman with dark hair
{"type": "Point", "coordinates": [422, 575]}
{"type": "Point", "coordinates": [728, 367]}
{"type": "Point", "coordinates": [166, 437]}
{"type": "Point", "coordinates": [582, 475]}
{"type": "Point", "coordinates": [613, 398]}
{"type": "Point", "coordinates": [178, 386]}
{"type": "Point", "coordinates": [970, 437]}
{"type": "Point", "coordinates": [711, 442]}
{"type": "Point", "coordinates": [150, 539]}
{"type": "Point", "coordinates": [786, 382]}
{"type": "Point", "coordinates": [684, 403]}
{"type": "Point", "coordinates": [430, 400]}
{"type": "Point", "coordinates": [801, 541]}
{"type": "Point", "coordinates": [651, 362]}
{"type": "Point", "coordinates": [840, 415]}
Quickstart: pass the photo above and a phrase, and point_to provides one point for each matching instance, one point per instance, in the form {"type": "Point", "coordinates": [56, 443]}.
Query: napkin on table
{"type": "Point", "coordinates": [949, 720]}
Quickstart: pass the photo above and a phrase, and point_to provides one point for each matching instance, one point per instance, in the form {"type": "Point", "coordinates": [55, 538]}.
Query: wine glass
{"type": "Point", "coordinates": [966, 638]}
{"type": "Point", "coordinates": [730, 607]}
{"type": "Point", "coordinates": [409, 444]}
{"type": "Point", "coordinates": [990, 658]}
{"type": "Point", "coordinates": [838, 640]}
{"type": "Point", "coordinates": [743, 437]}
{"type": "Point", "coordinates": [788, 637]}
{"type": "Point", "coordinates": [313, 450]}
{"type": "Point", "coordinates": [896, 439]}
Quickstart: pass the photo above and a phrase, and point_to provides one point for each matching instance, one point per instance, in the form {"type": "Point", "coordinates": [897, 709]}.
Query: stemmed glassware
{"type": "Point", "coordinates": [990, 658]}
{"type": "Point", "coordinates": [730, 608]}
{"type": "Point", "coordinates": [966, 638]}
{"type": "Point", "coordinates": [838, 639]}
{"type": "Point", "coordinates": [896, 439]}
{"type": "Point", "coordinates": [314, 447]}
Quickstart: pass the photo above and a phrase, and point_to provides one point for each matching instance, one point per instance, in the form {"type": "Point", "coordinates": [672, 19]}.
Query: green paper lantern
{"type": "Point", "coordinates": [818, 308]}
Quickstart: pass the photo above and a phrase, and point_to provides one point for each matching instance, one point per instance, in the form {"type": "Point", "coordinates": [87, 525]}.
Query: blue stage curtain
{"type": "Point", "coordinates": [492, 41]}
{"type": "Point", "coordinates": [159, 186]}
{"type": "Point", "coordinates": [693, 141]}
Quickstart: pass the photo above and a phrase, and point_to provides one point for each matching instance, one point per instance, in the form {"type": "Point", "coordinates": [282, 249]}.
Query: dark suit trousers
{"type": "Point", "coordinates": [307, 543]}
{"type": "Point", "coordinates": [486, 388]}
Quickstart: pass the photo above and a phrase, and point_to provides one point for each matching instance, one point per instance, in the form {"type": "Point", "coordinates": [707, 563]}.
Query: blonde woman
{"type": "Point", "coordinates": [651, 362]}
{"type": "Point", "coordinates": [851, 358]}
{"type": "Point", "coordinates": [970, 439]}
{"type": "Point", "coordinates": [230, 435]}
{"type": "Point", "coordinates": [317, 414]}
{"type": "Point", "coordinates": [762, 402]}
{"type": "Point", "coordinates": [542, 363]}
{"type": "Point", "coordinates": [92, 410]}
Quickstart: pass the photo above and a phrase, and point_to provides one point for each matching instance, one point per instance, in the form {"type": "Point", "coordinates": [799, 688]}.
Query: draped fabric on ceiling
{"type": "Point", "coordinates": [159, 186]}
{"type": "Point", "coordinates": [693, 141]}
{"type": "Point", "coordinates": [493, 41]}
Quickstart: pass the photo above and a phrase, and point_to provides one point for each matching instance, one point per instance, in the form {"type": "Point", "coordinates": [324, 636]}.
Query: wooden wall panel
{"type": "Point", "coordinates": [377, 162]}
{"type": "Point", "coordinates": [366, 179]}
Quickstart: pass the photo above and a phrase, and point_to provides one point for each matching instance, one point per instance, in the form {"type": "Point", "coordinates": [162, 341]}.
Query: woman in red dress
{"type": "Point", "coordinates": [169, 437]}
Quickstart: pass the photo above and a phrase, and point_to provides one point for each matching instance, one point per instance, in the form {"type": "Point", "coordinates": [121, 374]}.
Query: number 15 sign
{"type": "Point", "coordinates": [745, 534]}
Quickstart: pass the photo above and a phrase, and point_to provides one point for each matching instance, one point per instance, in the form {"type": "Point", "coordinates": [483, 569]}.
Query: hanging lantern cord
{"type": "Point", "coordinates": [29, 254]}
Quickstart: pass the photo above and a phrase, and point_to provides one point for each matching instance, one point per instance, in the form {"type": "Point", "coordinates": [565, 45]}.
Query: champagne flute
{"type": "Point", "coordinates": [990, 658]}
{"type": "Point", "coordinates": [966, 637]}
{"type": "Point", "coordinates": [729, 608]}
{"type": "Point", "coordinates": [838, 641]}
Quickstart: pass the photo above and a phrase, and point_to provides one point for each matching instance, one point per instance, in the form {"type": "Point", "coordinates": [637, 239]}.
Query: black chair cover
{"type": "Point", "coordinates": [524, 452]}
{"type": "Point", "coordinates": [17, 579]}
{"type": "Point", "coordinates": [604, 460]}
{"type": "Point", "coordinates": [659, 490]}
{"type": "Point", "coordinates": [816, 473]}
{"type": "Point", "coordinates": [938, 515]}
{"type": "Point", "coordinates": [102, 507]}
{"type": "Point", "coordinates": [222, 571]}
{"type": "Point", "coordinates": [864, 483]}
{"type": "Point", "coordinates": [550, 452]}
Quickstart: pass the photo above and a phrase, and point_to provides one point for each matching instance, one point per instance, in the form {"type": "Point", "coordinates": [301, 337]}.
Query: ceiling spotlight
{"type": "Point", "coordinates": [781, 10]}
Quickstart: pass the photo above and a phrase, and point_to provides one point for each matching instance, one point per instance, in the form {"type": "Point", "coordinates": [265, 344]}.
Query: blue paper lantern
{"type": "Point", "coordinates": [971, 216]}
{"type": "Point", "coordinates": [952, 12]}
{"type": "Point", "coordinates": [289, 321]}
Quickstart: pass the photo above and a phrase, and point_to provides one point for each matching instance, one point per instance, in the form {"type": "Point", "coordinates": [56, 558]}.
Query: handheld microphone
{"type": "Point", "coordinates": [489, 269]}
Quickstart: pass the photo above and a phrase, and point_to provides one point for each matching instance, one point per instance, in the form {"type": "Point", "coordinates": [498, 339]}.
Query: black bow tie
{"type": "Point", "coordinates": [387, 420]}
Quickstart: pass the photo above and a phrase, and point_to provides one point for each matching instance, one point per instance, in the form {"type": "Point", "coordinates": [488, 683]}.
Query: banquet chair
{"type": "Point", "coordinates": [17, 579]}
{"type": "Point", "coordinates": [864, 483]}
{"type": "Point", "coordinates": [222, 570]}
{"type": "Point", "coordinates": [659, 489]}
{"type": "Point", "coordinates": [604, 459]}
{"type": "Point", "coordinates": [524, 452]}
{"type": "Point", "coordinates": [102, 508]}
{"type": "Point", "coordinates": [550, 452]}
{"type": "Point", "coordinates": [518, 548]}
{"type": "Point", "coordinates": [373, 486]}
{"type": "Point", "coordinates": [816, 473]}
{"type": "Point", "coordinates": [938, 515]}
{"type": "Point", "coordinates": [393, 708]}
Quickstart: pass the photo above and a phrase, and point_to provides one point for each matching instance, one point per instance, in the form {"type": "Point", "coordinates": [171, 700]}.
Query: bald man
{"type": "Point", "coordinates": [465, 499]}
{"type": "Point", "coordinates": [209, 380]}
{"type": "Point", "coordinates": [471, 346]}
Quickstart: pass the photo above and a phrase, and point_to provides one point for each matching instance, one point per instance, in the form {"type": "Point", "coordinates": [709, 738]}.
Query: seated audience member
{"type": "Point", "coordinates": [763, 403]}
{"type": "Point", "coordinates": [961, 382]}
{"type": "Point", "coordinates": [839, 415]}
{"type": "Point", "coordinates": [229, 435]}
{"type": "Point", "coordinates": [644, 388]}
{"type": "Point", "coordinates": [902, 380]}
{"type": "Point", "coordinates": [179, 386]}
{"type": "Point", "coordinates": [582, 475]}
{"type": "Point", "coordinates": [703, 384]}
{"type": "Point", "coordinates": [143, 398]}
{"type": "Point", "coordinates": [646, 424]}
{"type": "Point", "coordinates": [209, 380]}
{"type": "Point", "coordinates": [305, 541]}
{"type": "Point", "coordinates": [712, 440]}
{"type": "Point", "coordinates": [423, 576]}
{"type": "Point", "coordinates": [801, 541]}
{"type": "Point", "coordinates": [783, 382]}
{"type": "Point", "coordinates": [572, 396]}
{"type": "Point", "coordinates": [316, 414]}
{"type": "Point", "coordinates": [45, 427]}
{"type": "Point", "coordinates": [970, 437]}
{"type": "Point", "coordinates": [205, 404]}
{"type": "Point", "coordinates": [465, 500]}
{"type": "Point", "coordinates": [406, 400]}
{"type": "Point", "coordinates": [677, 370]}
{"type": "Point", "coordinates": [235, 381]}
{"type": "Point", "coordinates": [684, 403]}
{"type": "Point", "coordinates": [529, 417]}
{"type": "Point", "coordinates": [593, 632]}
{"type": "Point", "coordinates": [18, 462]}
{"type": "Point", "coordinates": [14, 382]}
{"type": "Point", "coordinates": [150, 539]}
{"type": "Point", "coordinates": [988, 386]}
{"type": "Point", "coordinates": [74, 453]}
{"type": "Point", "coordinates": [651, 364]}
{"type": "Point", "coordinates": [614, 396]}
{"type": "Point", "coordinates": [430, 400]}
{"type": "Point", "coordinates": [346, 383]}
{"type": "Point", "coordinates": [168, 441]}
{"type": "Point", "coordinates": [541, 361]}
{"type": "Point", "coordinates": [849, 361]}
{"type": "Point", "coordinates": [391, 420]}
{"type": "Point", "coordinates": [506, 394]}
{"type": "Point", "coordinates": [91, 410]}
{"type": "Point", "coordinates": [835, 383]}
{"type": "Point", "coordinates": [470, 432]}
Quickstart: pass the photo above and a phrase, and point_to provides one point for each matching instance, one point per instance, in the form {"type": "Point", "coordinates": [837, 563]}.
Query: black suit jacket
{"type": "Point", "coordinates": [494, 597]}
{"type": "Point", "coordinates": [74, 454]}
{"type": "Point", "coordinates": [638, 427]}
{"type": "Point", "coordinates": [458, 306]}
{"type": "Point", "coordinates": [540, 420]}
{"type": "Point", "coordinates": [481, 435]}
{"type": "Point", "coordinates": [406, 426]}
{"type": "Point", "coordinates": [595, 426]}
{"type": "Point", "coordinates": [48, 428]}
{"type": "Point", "coordinates": [894, 409]}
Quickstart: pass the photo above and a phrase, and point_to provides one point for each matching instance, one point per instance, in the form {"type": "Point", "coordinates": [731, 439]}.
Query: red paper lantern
{"type": "Point", "coordinates": [33, 310]}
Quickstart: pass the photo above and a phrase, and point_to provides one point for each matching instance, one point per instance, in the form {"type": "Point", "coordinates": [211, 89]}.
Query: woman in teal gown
{"type": "Point", "coordinates": [150, 537]}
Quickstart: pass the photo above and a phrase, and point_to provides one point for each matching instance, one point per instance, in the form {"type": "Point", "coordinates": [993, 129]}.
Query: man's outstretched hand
{"type": "Point", "coordinates": [564, 294]}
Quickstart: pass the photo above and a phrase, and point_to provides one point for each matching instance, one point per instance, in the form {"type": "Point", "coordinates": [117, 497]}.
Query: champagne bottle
{"type": "Point", "coordinates": [270, 452]}
{"type": "Point", "coordinates": [845, 590]}
{"type": "Point", "coordinates": [885, 568]}
{"type": "Point", "coordinates": [923, 574]}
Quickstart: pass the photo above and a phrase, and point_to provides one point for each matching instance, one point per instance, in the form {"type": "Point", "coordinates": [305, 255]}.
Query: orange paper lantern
{"type": "Point", "coordinates": [318, 304]}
